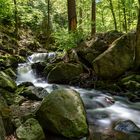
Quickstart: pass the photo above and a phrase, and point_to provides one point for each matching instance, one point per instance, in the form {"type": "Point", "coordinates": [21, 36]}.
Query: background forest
{"type": "Point", "coordinates": [50, 17]}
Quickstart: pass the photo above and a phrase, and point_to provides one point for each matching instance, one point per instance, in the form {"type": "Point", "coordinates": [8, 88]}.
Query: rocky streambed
{"type": "Point", "coordinates": [61, 112]}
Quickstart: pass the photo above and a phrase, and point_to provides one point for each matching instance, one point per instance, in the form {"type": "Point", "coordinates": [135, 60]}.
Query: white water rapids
{"type": "Point", "coordinates": [101, 111]}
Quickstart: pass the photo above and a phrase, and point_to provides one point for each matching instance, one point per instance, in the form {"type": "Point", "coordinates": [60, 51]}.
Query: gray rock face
{"type": "Point", "coordinates": [30, 130]}
{"type": "Point", "coordinates": [117, 59]}
{"type": "Point", "coordinates": [62, 112]}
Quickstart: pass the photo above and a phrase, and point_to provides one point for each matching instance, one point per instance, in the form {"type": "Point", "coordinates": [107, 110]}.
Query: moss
{"type": "Point", "coordinates": [30, 130]}
{"type": "Point", "coordinates": [64, 72]}
{"type": "Point", "coordinates": [67, 117]}
{"type": "Point", "coordinates": [6, 82]}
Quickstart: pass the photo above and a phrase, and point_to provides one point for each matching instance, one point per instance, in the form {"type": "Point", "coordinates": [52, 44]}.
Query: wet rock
{"type": "Point", "coordinates": [64, 73]}
{"type": "Point", "coordinates": [33, 93]}
{"type": "Point", "coordinates": [30, 130]}
{"type": "Point", "coordinates": [6, 82]}
{"type": "Point", "coordinates": [117, 59]}
{"type": "Point", "coordinates": [38, 68]}
{"type": "Point", "coordinates": [62, 112]}
{"type": "Point", "coordinates": [127, 126]}
{"type": "Point", "coordinates": [127, 130]}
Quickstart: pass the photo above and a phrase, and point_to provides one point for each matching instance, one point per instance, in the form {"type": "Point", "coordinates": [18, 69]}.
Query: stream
{"type": "Point", "coordinates": [109, 117]}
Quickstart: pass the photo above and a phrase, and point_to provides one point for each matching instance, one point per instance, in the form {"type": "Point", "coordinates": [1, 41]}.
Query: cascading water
{"type": "Point", "coordinates": [103, 110]}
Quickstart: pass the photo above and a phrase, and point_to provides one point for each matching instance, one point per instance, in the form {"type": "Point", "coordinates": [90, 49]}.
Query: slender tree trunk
{"type": "Point", "coordinates": [120, 24]}
{"type": "Point", "coordinates": [80, 15]}
{"type": "Point", "coordinates": [103, 20]}
{"type": "Point", "coordinates": [124, 15]}
{"type": "Point", "coordinates": [16, 18]}
{"type": "Point", "coordinates": [113, 14]}
{"type": "Point", "coordinates": [72, 18]}
{"type": "Point", "coordinates": [48, 19]}
{"type": "Point", "coordinates": [137, 49]}
{"type": "Point", "coordinates": [93, 18]}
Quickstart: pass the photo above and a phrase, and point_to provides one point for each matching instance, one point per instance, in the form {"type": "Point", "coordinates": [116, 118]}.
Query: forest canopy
{"type": "Point", "coordinates": [33, 14]}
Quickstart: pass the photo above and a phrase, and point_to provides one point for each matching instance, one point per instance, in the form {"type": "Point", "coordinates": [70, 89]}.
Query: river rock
{"type": "Point", "coordinates": [62, 112]}
{"type": "Point", "coordinates": [30, 130]}
{"type": "Point", "coordinates": [127, 130]}
{"type": "Point", "coordinates": [31, 92]}
{"type": "Point", "coordinates": [127, 126]}
{"type": "Point", "coordinates": [117, 58]}
{"type": "Point", "coordinates": [6, 82]}
{"type": "Point", "coordinates": [64, 73]}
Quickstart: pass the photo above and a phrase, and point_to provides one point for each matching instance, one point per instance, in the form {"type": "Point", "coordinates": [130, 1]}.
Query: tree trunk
{"type": "Point", "coordinates": [80, 15]}
{"type": "Point", "coordinates": [119, 7]}
{"type": "Point", "coordinates": [124, 15]}
{"type": "Point", "coordinates": [113, 14]}
{"type": "Point", "coordinates": [72, 18]}
{"type": "Point", "coordinates": [137, 49]}
{"type": "Point", "coordinates": [93, 18]}
{"type": "Point", "coordinates": [16, 19]}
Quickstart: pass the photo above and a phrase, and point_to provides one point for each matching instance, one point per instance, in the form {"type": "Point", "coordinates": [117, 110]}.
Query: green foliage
{"type": "Point", "coordinates": [6, 11]}
{"type": "Point", "coordinates": [66, 41]}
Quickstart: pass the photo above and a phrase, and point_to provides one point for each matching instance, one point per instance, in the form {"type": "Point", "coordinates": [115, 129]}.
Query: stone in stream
{"type": "Point", "coordinates": [127, 127]}
{"type": "Point", "coordinates": [64, 72]}
{"type": "Point", "coordinates": [30, 130]}
{"type": "Point", "coordinates": [62, 112]}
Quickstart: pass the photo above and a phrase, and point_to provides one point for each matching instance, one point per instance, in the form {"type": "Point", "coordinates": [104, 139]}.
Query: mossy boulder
{"type": "Point", "coordinates": [117, 58]}
{"type": "Point", "coordinates": [10, 72]}
{"type": "Point", "coordinates": [62, 112]}
{"type": "Point", "coordinates": [64, 73]}
{"type": "Point", "coordinates": [6, 82]}
{"type": "Point", "coordinates": [30, 130]}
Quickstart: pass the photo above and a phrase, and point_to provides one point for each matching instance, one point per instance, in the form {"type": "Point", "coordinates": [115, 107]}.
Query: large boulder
{"type": "Point", "coordinates": [30, 130]}
{"type": "Point", "coordinates": [117, 59]}
{"type": "Point", "coordinates": [6, 82]}
{"type": "Point", "coordinates": [64, 72]}
{"type": "Point", "coordinates": [63, 113]}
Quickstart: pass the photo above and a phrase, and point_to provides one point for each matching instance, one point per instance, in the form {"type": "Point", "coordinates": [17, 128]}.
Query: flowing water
{"type": "Point", "coordinates": [103, 110]}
